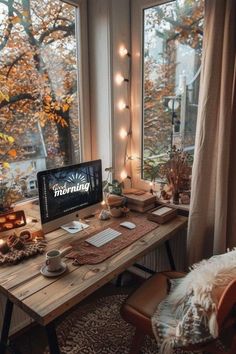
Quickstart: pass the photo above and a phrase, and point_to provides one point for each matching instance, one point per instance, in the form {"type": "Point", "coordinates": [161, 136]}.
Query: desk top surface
{"type": "Point", "coordinates": [45, 299]}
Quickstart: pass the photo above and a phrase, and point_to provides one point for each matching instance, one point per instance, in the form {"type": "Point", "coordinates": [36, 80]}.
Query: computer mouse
{"type": "Point", "coordinates": [128, 225]}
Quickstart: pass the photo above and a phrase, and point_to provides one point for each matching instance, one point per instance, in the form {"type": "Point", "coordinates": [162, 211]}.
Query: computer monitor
{"type": "Point", "coordinates": [69, 193]}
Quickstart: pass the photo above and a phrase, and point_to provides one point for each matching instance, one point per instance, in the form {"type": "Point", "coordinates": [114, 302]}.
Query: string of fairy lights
{"type": "Point", "coordinates": [123, 104]}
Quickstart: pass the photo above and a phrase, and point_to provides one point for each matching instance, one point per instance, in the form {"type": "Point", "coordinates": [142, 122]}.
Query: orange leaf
{"type": "Point", "coordinates": [65, 107]}
{"type": "Point", "coordinates": [12, 153]}
{"type": "Point", "coordinates": [15, 20]}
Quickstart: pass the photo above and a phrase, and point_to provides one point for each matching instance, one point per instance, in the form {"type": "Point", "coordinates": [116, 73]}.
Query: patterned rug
{"type": "Point", "coordinates": [98, 328]}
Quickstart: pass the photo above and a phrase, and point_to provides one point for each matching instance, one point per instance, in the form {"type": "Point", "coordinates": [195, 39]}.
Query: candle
{"type": "Point", "coordinates": [103, 204]}
{"type": "Point", "coordinates": [3, 247]}
{"type": "Point", "coordinates": [18, 244]}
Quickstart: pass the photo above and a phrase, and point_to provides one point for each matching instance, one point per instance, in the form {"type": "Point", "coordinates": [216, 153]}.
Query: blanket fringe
{"type": "Point", "coordinates": [213, 326]}
{"type": "Point", "coordinates": [167, 346]}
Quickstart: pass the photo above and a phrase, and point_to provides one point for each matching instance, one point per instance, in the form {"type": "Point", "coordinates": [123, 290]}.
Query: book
{"type": "Point", "coordinates": [162, 214]}
{"type": "Point", "coordinates": [140, 208]}
{"type": "Point", "coordinates": [133, 191]}
{"type": "Point", "coordinates": [142, 200]}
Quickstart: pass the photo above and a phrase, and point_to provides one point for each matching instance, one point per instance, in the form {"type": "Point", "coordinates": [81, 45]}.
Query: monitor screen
{"type": "Point", "coordinates": [67, 189]}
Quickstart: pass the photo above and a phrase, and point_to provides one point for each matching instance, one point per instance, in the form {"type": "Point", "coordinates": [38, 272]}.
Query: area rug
{"type": "Point", "coordinates": [98, 328]}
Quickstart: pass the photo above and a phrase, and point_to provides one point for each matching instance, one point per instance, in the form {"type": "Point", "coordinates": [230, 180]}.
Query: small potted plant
{"type": "Point", "coordinates": [10, 193]}
{"type": "Point", "coordinates": [177, 171]}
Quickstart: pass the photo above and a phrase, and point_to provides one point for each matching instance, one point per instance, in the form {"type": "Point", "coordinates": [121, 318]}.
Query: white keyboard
{"type": "Point", "coordinates": [103, 237]}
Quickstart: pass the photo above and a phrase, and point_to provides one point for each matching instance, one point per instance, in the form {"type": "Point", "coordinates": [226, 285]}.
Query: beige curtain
{"type": "Point", "coordinates": [212, 220]}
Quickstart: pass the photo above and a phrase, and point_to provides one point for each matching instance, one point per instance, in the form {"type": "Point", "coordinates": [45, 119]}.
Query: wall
{"type": "Point", "coordinates": [121, 65]}
{"type": "Point", "coordinates": [100, 80]}
{"type": "Point", "coordinates": [109, 29]}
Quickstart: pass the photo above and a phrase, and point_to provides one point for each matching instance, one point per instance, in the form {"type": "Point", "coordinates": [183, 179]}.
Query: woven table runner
{"type": "Point", "coordinates": [84, 253]}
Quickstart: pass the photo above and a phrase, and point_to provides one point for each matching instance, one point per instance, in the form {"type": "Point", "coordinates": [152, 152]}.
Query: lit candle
{"type": "Point", "coordinates": [103, 204]}
{"type": "Point", "coordinates": [3, 247]}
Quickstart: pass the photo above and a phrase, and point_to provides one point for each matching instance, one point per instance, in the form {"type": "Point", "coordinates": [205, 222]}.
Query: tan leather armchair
{"type": "Point", "coordinates": [140, 306]}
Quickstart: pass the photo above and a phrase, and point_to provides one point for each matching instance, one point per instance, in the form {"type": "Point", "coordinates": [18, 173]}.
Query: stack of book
{"type": "Point", "coordinates": [141, 203]}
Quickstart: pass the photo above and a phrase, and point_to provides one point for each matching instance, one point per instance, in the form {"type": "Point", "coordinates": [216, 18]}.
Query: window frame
{"type": "Point", "coordinates": [81, 36]}
{"type": "Point", "coordinates": [137, 36]}
{"type": "Point", "coordinates": [83, 77]}
{"type": "Point", "coordinates": [137, 9]}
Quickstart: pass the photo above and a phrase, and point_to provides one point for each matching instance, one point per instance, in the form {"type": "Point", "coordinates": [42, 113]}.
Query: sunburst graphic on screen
{"type": "Point", "coordinates": [76, 178]}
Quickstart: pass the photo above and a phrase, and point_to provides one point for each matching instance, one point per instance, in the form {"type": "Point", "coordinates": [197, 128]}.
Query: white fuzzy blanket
{"type": "Point", "coordinates": [205, 277]}
{"type": "Point", "coordinates": [199, 289]}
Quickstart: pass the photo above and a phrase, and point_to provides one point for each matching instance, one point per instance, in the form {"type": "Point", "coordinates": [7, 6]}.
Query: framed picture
{"type": "Point", "coordinates": [12, 220]}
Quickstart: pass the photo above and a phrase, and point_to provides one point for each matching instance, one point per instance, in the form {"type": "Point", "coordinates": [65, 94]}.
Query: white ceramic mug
{"type": "Point", "coordinates": [53, 260]}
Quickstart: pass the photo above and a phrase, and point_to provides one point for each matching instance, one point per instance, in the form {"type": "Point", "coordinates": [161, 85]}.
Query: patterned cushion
{"type": "Point", "coordinates": [178, 327]}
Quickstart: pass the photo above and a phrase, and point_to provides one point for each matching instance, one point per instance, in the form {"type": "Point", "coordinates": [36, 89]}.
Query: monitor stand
{"type": "Point", "coordinates": [78, 215]}
{"type": "Point", "coordinates": [74, 226]}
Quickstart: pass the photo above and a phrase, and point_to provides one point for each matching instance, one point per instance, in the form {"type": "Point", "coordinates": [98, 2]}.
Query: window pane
{"type": "Point", "coordinates": [39, 120]}
{"type": "Point", "coordinates": [173, 34]}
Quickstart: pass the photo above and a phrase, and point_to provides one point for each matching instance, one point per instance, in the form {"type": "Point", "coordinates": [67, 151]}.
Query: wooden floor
{"type": "Point", "coordinates": [33, 340]}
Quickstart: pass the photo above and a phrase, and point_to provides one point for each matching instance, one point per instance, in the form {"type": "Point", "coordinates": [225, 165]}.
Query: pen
{"type": "Point", "coordinates": [75, 228]}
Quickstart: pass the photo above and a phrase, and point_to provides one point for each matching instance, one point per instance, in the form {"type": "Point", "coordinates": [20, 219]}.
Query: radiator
{"type": "Point", "coordinates": [157, 260]}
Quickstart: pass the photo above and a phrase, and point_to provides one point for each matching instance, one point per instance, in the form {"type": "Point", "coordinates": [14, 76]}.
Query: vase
{"type": "Point", "coordinates": [175, 197]}
{"type": "Point", "coordinates": [5, 209]}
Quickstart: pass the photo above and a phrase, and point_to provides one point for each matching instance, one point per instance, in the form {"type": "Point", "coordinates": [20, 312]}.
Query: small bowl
{"type": "Point", "coordinates": [116, 212]}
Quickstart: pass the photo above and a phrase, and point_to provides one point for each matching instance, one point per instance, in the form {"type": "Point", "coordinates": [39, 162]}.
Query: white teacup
{"type": "Point", "coordinates": [53, 260]}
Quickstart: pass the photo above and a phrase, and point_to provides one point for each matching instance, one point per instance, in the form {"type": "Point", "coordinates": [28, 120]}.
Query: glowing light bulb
{"type": "Point", "coordinates": [132, 157]}
{"type": "Point", "coordinates": [151, 184]}
{"type": "Point", "coordinates": [123, 51]}
{"type": "Point", "coordinates": [119, 79]}
{"type": "Point", "coordinates": [123, 175]}
{"type": "Point", "coordinates": [123, 133]}
{"type": "Point", "coordinates": [121, 105]}
{"type": "Point", "coordinates": [173, 104]}
{"type": "Point", "coordinates": [103, 203]}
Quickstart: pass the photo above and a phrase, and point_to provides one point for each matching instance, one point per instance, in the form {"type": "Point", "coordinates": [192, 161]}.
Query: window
{"type": "Point", "coordinates": [33, 184]}
{"type": "Point", "coordinates": [33, 164]}
{"type": "Point", "coordinates": [39, 93]}
{"type": "Point", "coordinates": [171, 51]}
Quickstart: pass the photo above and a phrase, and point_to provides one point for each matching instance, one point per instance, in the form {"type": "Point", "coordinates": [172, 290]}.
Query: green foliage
{"type": "Point", "coordinates": [151, 169]}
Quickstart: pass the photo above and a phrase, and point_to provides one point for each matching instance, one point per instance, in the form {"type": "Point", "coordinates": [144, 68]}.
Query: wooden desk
{"type": "Point", "coordinates": [46, 299]}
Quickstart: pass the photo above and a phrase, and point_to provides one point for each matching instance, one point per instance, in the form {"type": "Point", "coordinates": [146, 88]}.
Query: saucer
{"type": "Point", "coordinates": [46, 273]}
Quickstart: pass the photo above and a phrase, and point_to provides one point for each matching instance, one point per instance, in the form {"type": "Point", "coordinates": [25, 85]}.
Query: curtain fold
{"type": "Point", "coordinates": [212, 219]}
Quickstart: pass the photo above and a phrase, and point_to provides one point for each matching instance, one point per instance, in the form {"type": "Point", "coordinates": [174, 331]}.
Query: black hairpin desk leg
{"type": "Point", "coordinates": [170, 255]}
{"type": "Point", "coordinates": [52, 338]}
{"type": "Point", "coordinates": [6, 326]}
